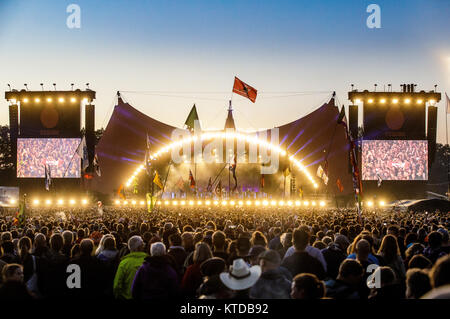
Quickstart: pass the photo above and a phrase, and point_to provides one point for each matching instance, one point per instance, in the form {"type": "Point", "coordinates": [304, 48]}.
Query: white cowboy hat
{"type": "Point", "coordinates": [241, 276]}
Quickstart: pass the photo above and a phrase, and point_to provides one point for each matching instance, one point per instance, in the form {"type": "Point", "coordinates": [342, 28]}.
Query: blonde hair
{"type": "Point", "coordinates": [202, 252]}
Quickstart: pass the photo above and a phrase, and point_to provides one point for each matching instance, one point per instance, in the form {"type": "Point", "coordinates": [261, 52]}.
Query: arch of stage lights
{"type": "Point", "coordinates": [227, 135]}
{"type": "Point", "coordinates": [224, 203]}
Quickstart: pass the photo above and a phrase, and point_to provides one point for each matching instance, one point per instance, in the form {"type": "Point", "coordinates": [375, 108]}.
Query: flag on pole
{"type": "Point", "coordinates": [233, 170]}
{"type": "Point", "coordinates": [192, 117]}
{"type": "Point", "coordinates": [147, 161]}
{"type": "Point", "coordinates": [219, 188]}
{"type": "Point", "coordinates": [157, 180]}
{"type": "Point", "coordinates": [357, 183]}
{"type": "Point", "coordinates": [341, 118]}
{"type": "Point", "coordinates": [262, 181]}
{"type": "Point", "coordinates": [149, 143]}
{"type": "Point", "coordinates": [325, 173]}
{"type": "Point", "coordinates": [96, 166]}
{"type": "Point", "coordinates": [191, 180]}
{"type": "Point", "coordinates": [339, 185]}
{"type": "Point", "coordinates": [121, 192]}
{"type": "Point", "coordinates": [300, 192]}
{"type": "Point", "coordinates": [244, 89]}
{"type": "Point", "coordinates": [19, 220]}
{"type": "Point", "coordinates": [209, 187]}
{"type": "Point", "coordinates": [82, 152]}
{"type": "Point", "coordinates": [287, 172]}
{"type": "Point", "coordinates": [319, 171]}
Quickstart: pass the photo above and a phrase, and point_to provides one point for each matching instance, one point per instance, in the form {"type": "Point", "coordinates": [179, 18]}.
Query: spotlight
{"type": "Point", "coordinates": [431, 102]}
{"type": "Point", "coordinates": [382, 203]}
{"type": "Point", "coordinates": [257, 203]}
{"type": "Point", "coordinates": [36, 202]}
{"type": "Point", "coordinates": [224, 203]}
{"type": "Point", "coordinates": [407, 101]}
{"type": "Point", "coordinates": [281, 203]}
{"type": "Point", "coordinates": [191, 202]}
{"type": "Point", "coordinates": [370, 203]}
{"type": "Point", "coordinates": [216, 203]}
{"type": "Point", "coordinates": [61, 100]}
{"type": "Point", "coordinates": [273, 203]}
{"type": "Point", "coordinates": [313, 203]}
{"type": "Point", "coordinates": [133, 202]}
{"type": "Point", "coordinates": [208, 203]}
{"type": "Point", "coordinates": [382, 101]}
{"type": "Point", "coordinates": [232, 203]}
{"type": "Point", "coordinates": [322, 203]}
{"type": "Point", "coordinates": [370, 101]}
{"type": "Point", "coordinates": [73, 100]}
{"type": "Point", "coordinates": [249, 202]}
{"type": "Point", "coordinates": [49, 99]}
{"type": "Point", "coordinates": [72, 202]}
{"type": "Point", "coordinates": [297, 203]}
{"type": "Point", "coordinates": [48, 202]}
{"type": "Point", "coordinates": [12, 201]}
{"type": "Point", "coordinates": [166, 202]}
{"type": "Point", "coordinates": [60, 201]}
{"type": "Point", "coordinates": [175, 203]}
{"type": "Point", "coordinates": [37, 100]}
{"type": "Point", "coordinates": [117, 202]}
{"type": "Point", "coordinates": [125, 202]}
{"type": "Point", "coordinates": [157, 203]}
{"type": "Point", "coordinates": [183, 203]}
{"type": "Point", "coordinates": [84, 201]}
{"type": "Point", "coordinates": [395, 101]}
{"type": "Point", "coordinates": [25, 100]}
{"type": "Point", "coordinates": [305, 203]}
{"type": "Point", "coordinates": [357, 101]}
{"type": "Point", "coordinates": [240, 203]}
{"type": "Point", "coordinates": [419, 101]}
{"type": "Point", "coordinates": [265, 203]}
{"type": "Point", "coordinates": [199, 203]}
{"type": "Point", "coordinates": [289, 203]}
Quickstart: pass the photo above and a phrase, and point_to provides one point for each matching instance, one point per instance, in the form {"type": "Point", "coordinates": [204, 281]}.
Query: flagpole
{"type": "Point", "coordinates": [73, 156]}
{"type": "Point", "coordinates": [165, 180]}
{"type": "Point", "coordinates": [195, 176]}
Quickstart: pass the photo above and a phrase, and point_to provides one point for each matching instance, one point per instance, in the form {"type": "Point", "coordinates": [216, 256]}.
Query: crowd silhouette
{"type": "Point", "coordinates": [224, 253]}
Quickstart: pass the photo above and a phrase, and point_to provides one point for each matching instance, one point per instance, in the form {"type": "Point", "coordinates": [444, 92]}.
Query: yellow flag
{"type": "Point", "coordinates": [157, 181]}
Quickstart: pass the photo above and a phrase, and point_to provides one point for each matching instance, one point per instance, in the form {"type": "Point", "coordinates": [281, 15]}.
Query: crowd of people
{"type": "Point", "coordinates": [394, 160]}
{"type": "Point", "coordinates": [34, 154]}
{"type": "Point", "coordinates": [224, 253]}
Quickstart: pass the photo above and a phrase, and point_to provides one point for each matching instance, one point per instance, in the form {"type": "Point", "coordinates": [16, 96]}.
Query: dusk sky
{"type": "Point", "coordinates": [189, 51]}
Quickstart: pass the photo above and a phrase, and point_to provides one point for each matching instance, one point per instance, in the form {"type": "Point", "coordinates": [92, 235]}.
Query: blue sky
{"type": "Point", "coordinates": [194, 47]}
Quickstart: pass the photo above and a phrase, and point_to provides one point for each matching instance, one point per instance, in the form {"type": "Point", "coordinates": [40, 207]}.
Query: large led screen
{"type": "Point", "coordinates": [405, 160]}
{"type": "Point", "coordinates": [33, 154]}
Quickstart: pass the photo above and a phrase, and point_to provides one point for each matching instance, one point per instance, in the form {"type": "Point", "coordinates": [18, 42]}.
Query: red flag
{"type": "Point", "coordinates": [191, 179]}
{"type": "Point", "coordinates": [244, 89]}
{"type": "Point", "coordinates": [339, 185]}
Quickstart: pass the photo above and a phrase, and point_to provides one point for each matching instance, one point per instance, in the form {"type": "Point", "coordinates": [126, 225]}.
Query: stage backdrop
{"type": "Point", "coordinates": [312, 139]}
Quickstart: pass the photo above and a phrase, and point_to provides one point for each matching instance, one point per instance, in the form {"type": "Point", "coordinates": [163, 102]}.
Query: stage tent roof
{"type": "Point", "coordinates": [310, 139]}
